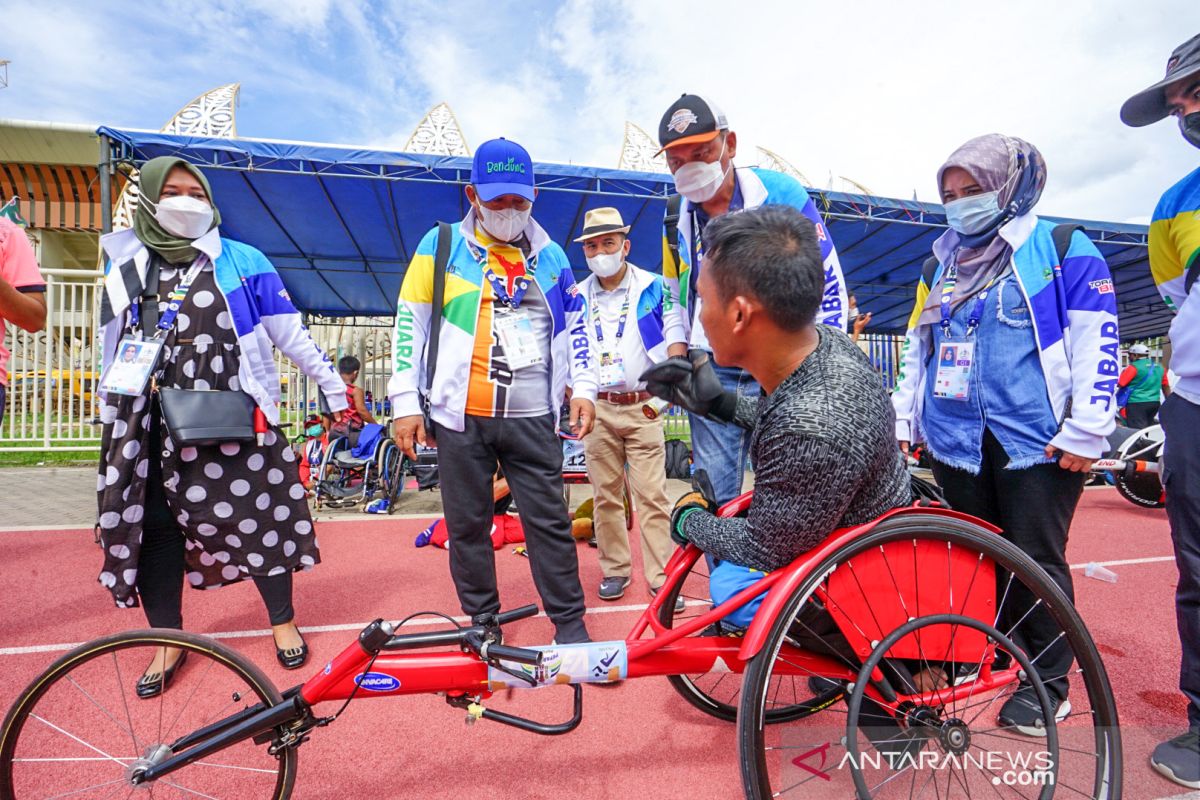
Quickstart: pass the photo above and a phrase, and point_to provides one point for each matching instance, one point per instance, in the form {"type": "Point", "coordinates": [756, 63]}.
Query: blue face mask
{"type": "Point", "coordinates": [970, 215]}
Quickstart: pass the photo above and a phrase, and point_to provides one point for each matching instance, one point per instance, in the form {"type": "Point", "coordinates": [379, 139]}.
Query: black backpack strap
{"type": "Point", "coordinates": [1061, 234]}
{"type": "Point", "coordinates": [1189, 278]}
{"type": "Point", "coordinates": [441, 259]}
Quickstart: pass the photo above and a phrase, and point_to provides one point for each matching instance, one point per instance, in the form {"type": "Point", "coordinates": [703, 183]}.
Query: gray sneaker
{"type": "Point", "coordinates": [1023, 712]}
{"type": "Point", "coordinates": [679, 604]}
{"type": "Point", "coordinates": [1179, 759]}
{"type": "Point", "coordinates": [613, 588]}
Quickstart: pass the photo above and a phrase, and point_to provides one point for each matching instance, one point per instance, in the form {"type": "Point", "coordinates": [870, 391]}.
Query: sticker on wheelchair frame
{"type": "Point", "coordinates": [377, 682]}
{"type": "Point", "coordinates": [592, 662]}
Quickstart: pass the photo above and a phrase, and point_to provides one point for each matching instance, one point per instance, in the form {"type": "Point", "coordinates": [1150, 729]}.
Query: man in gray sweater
{"type": "Point", "coordinates": [823, 443]}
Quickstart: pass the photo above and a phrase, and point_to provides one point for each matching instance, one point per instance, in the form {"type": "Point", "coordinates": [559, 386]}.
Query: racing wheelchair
{"type": "Point", "coordinates": [873, 667]}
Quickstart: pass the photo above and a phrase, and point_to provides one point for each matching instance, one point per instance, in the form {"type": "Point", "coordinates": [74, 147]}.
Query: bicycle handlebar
{"type": "Point", "coordinates": [519, 655]}
{"type": "Point", "coordinates": [524, 612]}
{"type": "Point", "coordinates": [1120, 465]}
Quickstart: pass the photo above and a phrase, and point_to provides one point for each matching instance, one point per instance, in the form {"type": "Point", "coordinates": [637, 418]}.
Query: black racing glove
{"type": "Point", "coordinates": [691, 383]}
{"type": "Point", "coordinates": [700, 497]}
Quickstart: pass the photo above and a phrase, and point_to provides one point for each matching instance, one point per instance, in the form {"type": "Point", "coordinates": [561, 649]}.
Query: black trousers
{"type": "Point", "coordinates": [530, 453]}
{"type": "Point", "coordinates": [1033, 507]}
{"type": "Point", "coordinates": [1140, 415]}
{"type": "Point", "coordinates": [160, 581]}
{"type": "Point", "coordinates": [1181, 476]}
{"type": "Point", "coordinates": [161, 564]}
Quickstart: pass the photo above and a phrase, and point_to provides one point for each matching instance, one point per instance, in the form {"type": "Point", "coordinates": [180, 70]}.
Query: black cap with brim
{"type": "Point", "coordinates": [689, 120]}
{"type": "Point", "coordinates": [1150, 105]}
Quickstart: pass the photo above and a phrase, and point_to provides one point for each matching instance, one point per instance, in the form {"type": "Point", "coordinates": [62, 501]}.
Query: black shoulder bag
{"type": "Point", "coordinates": [441, 259]}
{"type": "Point", "coordinates": [196, 417]}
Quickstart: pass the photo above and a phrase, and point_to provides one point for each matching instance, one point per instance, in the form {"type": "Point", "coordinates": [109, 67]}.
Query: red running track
{"type": "Point", "coordinates": [636, 738]}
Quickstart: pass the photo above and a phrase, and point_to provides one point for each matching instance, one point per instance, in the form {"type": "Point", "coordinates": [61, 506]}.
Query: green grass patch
{"type": "Point", "coordinates": [49, 458]}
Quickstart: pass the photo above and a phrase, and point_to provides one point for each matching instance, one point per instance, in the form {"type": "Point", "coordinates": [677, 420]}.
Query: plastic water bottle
{"type": "Point", "coordinates": [1097, 572]}
{"type": "Point", "coordinates": [654, 407]}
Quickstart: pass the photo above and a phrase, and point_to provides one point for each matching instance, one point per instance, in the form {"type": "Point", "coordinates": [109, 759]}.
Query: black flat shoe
{"type": "Point", "coordinates": [293, 657]}
{"type": "Point", "coordinates": [155, 683]}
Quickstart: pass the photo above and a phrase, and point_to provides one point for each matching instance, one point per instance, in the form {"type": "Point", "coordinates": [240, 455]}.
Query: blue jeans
{"type": "Point", "coordinates": [722, 449]}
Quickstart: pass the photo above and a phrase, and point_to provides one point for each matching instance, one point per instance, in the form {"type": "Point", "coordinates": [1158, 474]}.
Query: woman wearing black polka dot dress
{"type": "Point", "coordinates": [214, 514]}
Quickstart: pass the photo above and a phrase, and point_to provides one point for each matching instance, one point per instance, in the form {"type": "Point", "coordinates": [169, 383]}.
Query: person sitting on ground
{"type": "Point", "coordinates": [356, 414]}
{"type": "Point", "coordinates": [506, 527]}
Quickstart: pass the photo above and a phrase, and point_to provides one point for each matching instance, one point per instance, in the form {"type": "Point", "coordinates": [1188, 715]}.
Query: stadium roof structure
{"type": "Point", "coordinates": [341, 223]}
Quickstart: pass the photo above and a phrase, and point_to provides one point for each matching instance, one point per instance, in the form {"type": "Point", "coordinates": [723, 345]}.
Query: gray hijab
{"type": "Point", "coordinates": [998, 163]}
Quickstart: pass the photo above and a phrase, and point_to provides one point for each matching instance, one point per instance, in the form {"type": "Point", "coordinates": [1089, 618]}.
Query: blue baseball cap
{"type": "Point", "coordinates": [502, 167]}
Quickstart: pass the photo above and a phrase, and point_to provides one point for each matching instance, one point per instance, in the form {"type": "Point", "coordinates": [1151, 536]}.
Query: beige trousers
{"type": "Point", "coordinates": [623, 436]}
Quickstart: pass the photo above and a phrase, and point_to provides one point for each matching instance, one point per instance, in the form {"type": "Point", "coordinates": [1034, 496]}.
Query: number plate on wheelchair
{"type": "Point", "coordinates": [593, 662]}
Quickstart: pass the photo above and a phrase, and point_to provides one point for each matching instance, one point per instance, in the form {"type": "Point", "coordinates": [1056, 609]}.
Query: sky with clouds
{"type": "Point", "coordinates": [880, 92]}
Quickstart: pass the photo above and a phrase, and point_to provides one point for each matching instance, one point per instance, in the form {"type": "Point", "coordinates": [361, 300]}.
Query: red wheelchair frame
{"type": "Point", "coordinates": [671, 651]}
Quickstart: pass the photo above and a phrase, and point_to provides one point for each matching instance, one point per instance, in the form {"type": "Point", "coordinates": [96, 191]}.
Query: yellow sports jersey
{"type": "Point", "coordinates": [1175, 239]}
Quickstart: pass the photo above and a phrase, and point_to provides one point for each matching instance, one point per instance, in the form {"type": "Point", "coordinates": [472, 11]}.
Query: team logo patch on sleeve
{"type": "Point", "coordinates": [284, 294]}
{"type": "Point", "coordinates": [681, 119]}
{"type": "Point", "coordinates": [1102, 286]}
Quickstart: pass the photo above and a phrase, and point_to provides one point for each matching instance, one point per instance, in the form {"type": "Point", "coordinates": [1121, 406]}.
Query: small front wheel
{"type": "Point", "coordinates": [82, 730]}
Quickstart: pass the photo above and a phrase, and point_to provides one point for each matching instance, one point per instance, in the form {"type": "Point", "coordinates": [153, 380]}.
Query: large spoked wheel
{"type": "Point", "coordinates": [973, 642]}
{"type": "Point", "coordinates": [719, 693]}
{"type": "Point", "coordinates": [80, 729]}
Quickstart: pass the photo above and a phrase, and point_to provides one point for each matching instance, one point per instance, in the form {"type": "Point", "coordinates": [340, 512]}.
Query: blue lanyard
{"type": "Point", "coordinates": [620, 325]}
{"type": "Point", "coordinates": [520, 286]}
{"type": "Point", "coordinates": [520, 283]}
{"type": "Point", "coordinates": [174, 300]}
{"type": "Point", "coordinates": [976, 315]}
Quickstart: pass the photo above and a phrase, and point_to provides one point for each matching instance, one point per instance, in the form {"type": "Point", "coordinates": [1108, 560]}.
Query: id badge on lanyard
{"type": "Point", "coordinates": [131, 370]}
{"type": "Point", "coordinates": [515, 330]}
{"type": "Point", "coordinates": [612, 370]}
{"type": "Point", "coordinates": [612, 366]}
{"type": "Point", "coordinates": [956, 357]}
{"type": "Point", "coordinates": [956, 354]}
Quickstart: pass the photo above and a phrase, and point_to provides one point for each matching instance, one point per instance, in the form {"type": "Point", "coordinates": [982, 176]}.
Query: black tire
{"type": "Point", "coordinates": [78, 684]}
{"type": "Point", "coordinates": [396, 471]}
{"type": "Point", "coordinates": [1143, 489]}
{"type": "Point", "coordinates": [719, 696]}
{"type": "Point", "coordinates": [1018, 568]}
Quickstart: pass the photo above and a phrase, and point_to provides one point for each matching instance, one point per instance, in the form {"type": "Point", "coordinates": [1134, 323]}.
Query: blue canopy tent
{"type": "Point", "coordinates": [340, 224]}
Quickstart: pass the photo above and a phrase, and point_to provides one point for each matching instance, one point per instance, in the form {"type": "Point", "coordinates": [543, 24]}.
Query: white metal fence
{"type": "Point", "coordinates": [51, 401]}
{"type": "Point", "coordinates": [52, 373]}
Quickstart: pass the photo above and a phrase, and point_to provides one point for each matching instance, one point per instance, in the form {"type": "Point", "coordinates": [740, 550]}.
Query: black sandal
{"type": "Point", "coordinates": [155, 683]}
{"type": "Point", "coordinates": [293, 657]}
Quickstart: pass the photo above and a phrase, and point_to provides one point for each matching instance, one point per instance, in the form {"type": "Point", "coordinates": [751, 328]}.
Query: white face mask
{"type": "Point", "coordinates": [605, 265]}
{"type": "Point", "coordinates": [698, 181]}
{"type": "Point", "coordinates": [183, 216]}
{"type": "Point", "coordinates": [506, 224]}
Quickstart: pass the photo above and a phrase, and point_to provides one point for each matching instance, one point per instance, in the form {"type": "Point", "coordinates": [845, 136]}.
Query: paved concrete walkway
{"type": "Point", "coordinates": [65, 497]}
